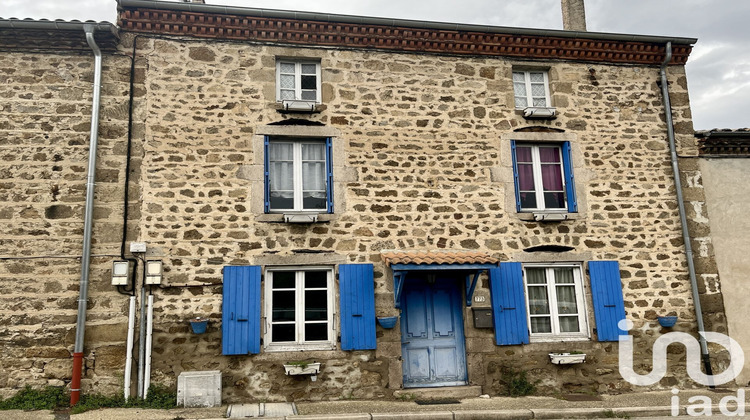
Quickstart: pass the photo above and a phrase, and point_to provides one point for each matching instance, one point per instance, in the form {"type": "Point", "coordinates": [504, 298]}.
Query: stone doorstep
{"type": "Point", "coordinates": [447, 392]}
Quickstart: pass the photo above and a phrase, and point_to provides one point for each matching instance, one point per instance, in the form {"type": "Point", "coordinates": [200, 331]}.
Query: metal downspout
{"type": "Point", "coordinates": [75, 386]}
{"type": "Point", "coordinates": [683, 219]}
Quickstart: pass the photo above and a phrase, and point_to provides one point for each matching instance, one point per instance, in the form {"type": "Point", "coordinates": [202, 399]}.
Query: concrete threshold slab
{"type": "Point", "coordinates": [446, 392]}
{"type": "Point", "coordinates": [265, 410]}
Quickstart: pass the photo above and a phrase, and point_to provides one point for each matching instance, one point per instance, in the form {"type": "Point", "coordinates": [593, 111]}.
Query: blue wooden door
{"type": "Point", "coordinates": [432, 332]}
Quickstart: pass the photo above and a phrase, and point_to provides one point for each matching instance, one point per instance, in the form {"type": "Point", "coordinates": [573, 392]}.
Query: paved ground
{"type": "Point", "coordinates": [631, 405]}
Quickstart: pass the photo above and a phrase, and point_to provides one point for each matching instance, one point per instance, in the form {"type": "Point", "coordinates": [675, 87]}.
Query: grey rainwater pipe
{"type": "Point", "coordinates": [75, 385]}
{"type": "Point", "coordinates": [683, 219]}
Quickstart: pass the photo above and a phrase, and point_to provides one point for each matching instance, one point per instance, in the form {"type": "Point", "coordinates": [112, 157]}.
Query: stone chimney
{"type": "Point", "coordinates": [574, 15]}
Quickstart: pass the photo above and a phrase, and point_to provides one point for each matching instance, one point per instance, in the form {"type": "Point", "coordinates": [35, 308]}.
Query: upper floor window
{"type": "Point", "coordinates": [299, 309]}
{"type": "Point", "coordinates": [298, 175]}
{"type": "Point", "coordinates": [531, 89]}
{"type": "Point", "coordinates": [543, 177]}
{"type": "Point", "coordinates": [555, 301]}
{"type": "Point", "coordinates": [297, 81]}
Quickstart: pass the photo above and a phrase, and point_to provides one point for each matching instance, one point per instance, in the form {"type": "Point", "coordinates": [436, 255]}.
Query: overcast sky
{"type": "Point", "coordinates": [718, 68]}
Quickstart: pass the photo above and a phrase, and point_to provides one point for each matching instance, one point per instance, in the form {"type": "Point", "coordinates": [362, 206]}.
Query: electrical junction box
{"type": "Point", "coordinates": [482, 317]}
{"type": "Point", "coordinates": [199, 389]}
{"type": "Point", "coordinates": [136, 247]}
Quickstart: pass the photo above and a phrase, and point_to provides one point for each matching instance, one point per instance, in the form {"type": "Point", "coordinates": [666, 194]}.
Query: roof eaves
{"type": "Point", "coordinates": [329, 17]}
{"type": "Point", "coordinates": [57, 25]}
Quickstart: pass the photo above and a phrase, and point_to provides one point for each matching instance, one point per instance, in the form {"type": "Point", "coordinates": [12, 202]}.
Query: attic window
{"type": "Point", "coordinates": [297, 83]}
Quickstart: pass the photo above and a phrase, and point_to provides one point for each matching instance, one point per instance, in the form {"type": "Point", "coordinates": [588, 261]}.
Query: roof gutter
{"type": "Point", "coordinates": [683, 219]}
{"type": "Point", "coordinates": [418, 24]}
{"type": "Point", "coordinates": [56, 25]}
{"type": "Point", "coordinates": [75, 386]}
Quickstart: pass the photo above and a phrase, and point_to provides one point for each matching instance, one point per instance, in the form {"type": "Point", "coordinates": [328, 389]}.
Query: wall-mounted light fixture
{"type": "Point", "coordinates": [120, 271]}
{"type": "Point", "coordinates": [153, 272]}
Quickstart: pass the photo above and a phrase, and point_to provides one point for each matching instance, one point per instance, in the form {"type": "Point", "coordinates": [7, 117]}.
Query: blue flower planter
{"type": "Point", "coordinates": [198, 325]}
{"type": "Point", "coordinates": [667, 321]}
{"type": "Point", "coordinates": [387, 322]}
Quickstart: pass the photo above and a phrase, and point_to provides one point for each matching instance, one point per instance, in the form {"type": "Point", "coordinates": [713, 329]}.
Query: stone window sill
{"type": "Point", "coordinates": [279, 218]}
{"type": "Point", "coordinates": [529, 216]}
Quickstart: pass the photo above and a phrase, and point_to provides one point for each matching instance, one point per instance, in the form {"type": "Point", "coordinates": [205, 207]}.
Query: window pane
{"type": "Point", "coordinates": [536, 77]}
{"type": "Point", "coordinates": [309, 68]}
{"type": "Point", "coordinates": [520, 89]}
{"type": "Point", "coordinates": [309, 82]}
{"type": "Point", "coordinates": [316, 279]}
{"type": "Point", "coordinates": [287, 68]}
{"type": "Point", "coordinates": [554, 200]}
{"type": "Point", "coordinates": [538, 303]}
{"type": "Point", "coordinates": [313, 176]}
{"type": "Point", "coordinates": [528, 200]}
{"type": "Point", "coordinates": [564, 275]}
{"type": "Point", "coordinates": [521, 102]}
{"type": "Point", "coordinates": [283, 279]}
{"type": "Point", "coordinates": [566, 300]}
{"type": "Point", "coordinates": [316, 305]}
{"type": "Point", "coordinates": [283, 306]}
{"type": "Point", "coordinates": [551, 177]}
{"type": "Point", "coordinates": [526, 177]}
{"type": "Point", "coordinates": [286, 81]}
{"type": "Point", "coordinates": [549, 154]}
{"type": "Point", "coordinates": [314, 200]}
{"type": "Point", "coordinates": [541, 325]}
{"type": "Point", "coordinates": [542, 102]}
{"type": "Point", "coordinates": [535, 276]}
{"type": "Point", "coordinates": [523, 154]}
{"type": "Point", "coordinates": [287, 95]}
{"type": "Point", "coordinates": [282, 332]}
{"type": "Point", "coordinates": [281, 201]}
{"type": "Point", "coordinates": [309, 95]}
{"type": "Point", "coordinates": [569, 324]}
{"type": "Point", "coordinates": [538, 90]}
{"type": "Point", "coordinates": [518, 76]}
{"type": "Point", "coordinates": [316, 332]}
{"type": "Point", "coordinates": [313, 151]}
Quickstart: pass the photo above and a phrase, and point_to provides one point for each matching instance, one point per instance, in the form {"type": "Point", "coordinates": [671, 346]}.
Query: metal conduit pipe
{"type": "Point", "coordinates": [75, 385]}
{"type": "Point", "coordinates": [683, 218]}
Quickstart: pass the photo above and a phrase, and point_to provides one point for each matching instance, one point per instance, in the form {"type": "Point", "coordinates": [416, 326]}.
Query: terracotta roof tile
{"type": "Point", "coordinates": [437, 257]}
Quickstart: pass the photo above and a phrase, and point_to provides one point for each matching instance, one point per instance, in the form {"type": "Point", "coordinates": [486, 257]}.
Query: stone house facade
{"type": "Point", "coordinates": [504, 193]}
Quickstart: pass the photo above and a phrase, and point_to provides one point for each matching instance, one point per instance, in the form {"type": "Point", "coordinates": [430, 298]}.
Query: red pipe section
{"type": "Point", "coordinates": [75, 383]}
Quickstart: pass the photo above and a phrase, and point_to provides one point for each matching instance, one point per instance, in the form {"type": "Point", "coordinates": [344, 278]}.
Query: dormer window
{"type": "Point", "coordinates": [297, 81]}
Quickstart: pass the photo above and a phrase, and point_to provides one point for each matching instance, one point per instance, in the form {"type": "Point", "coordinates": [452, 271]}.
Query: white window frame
{"type": "Point", "coordinates": [527, 81]}
{"type": "Point", "coordinates": [556, 335]}
{"type": "Point", "coordinates": [536, 163]}
{"type": "Point", "coordinates": [297, 79]}
{"type": "Point", "coordinates": [299, 343]}
{"type": "Point", "coordinates": [297, 174]}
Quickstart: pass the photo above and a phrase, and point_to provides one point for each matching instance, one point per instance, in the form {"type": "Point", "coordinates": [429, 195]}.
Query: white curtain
{"type": "Point", "coordinates": [314, 170]}
{"type": "Point", "coordinates": [281, 171]}
{"type": "Point", "coordinates": [566, 299]}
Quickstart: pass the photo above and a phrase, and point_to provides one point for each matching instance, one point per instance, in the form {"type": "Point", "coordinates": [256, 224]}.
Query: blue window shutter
{"type": "Point", "coordinates": [357, 306]}
{"type": "Point", "coordinates": [240, 310]}
{"type": "Point", "coordinates": [509, 304]}
{"type": "Point", "coordinates": [329, 173]}
{"type": "Point", "coordinates": [266, 182]}
{"type": "Point", "coordinates": [570, 186]}
{"type": "Point", "coordinates": [606, 293]}
{"type": "Point", "coordinates": [515, 175]}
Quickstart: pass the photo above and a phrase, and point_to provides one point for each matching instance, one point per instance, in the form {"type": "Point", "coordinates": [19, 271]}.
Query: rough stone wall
{"type": "Point", "coordinates": [425, 155]}
{"type": "Point", "coordinates": [424, 137]}
{"type": "Point", "coordinates": [44, 141]}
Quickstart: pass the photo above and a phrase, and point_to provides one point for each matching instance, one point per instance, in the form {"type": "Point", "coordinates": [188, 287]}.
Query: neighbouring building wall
{"type": "Point", "coordinates": [44, 130]}
{"type": "Point", "coordinates": [725, 182]}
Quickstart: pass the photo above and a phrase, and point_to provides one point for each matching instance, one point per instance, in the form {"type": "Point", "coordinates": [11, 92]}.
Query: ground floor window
{"type": "Point", "coordinates": [554, 297]}
{"type": "Point", "coordinates": [299, 309]}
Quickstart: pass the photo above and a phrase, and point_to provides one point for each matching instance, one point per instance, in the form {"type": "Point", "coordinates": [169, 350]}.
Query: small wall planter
{"type": "Point", "coordinates": [387, 322]}
{"type": "Point", "coordinates": [667, 321]}
{"type": "Point", "coordinates": [198, 325]}
{"type": "Point", "coordinates": [302, 368]}
{"type": "Point", "coordinates": [567, 358]}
